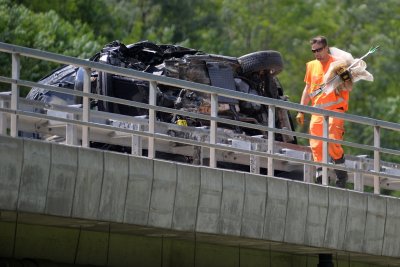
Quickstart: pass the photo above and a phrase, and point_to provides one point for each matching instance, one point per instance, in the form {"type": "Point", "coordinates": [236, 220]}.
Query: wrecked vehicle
{"type": "Point", "coordinates": [254, 73]}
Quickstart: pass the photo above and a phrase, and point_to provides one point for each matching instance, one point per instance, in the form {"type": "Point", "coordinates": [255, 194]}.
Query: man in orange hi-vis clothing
{"type": "Point", "coordinates": [337, 100]}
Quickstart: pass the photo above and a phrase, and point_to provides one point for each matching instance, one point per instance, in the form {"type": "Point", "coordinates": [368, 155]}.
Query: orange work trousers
{"type": "Point", "coordinates": [336, 131]}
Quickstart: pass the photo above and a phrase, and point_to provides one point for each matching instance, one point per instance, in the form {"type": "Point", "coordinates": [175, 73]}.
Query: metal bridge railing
{"type": "Point", "coordinates": [83, 125]}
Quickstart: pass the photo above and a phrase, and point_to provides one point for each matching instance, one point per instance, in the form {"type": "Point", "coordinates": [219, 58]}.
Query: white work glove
{"type": "Point", "coordinates": [300, 118]}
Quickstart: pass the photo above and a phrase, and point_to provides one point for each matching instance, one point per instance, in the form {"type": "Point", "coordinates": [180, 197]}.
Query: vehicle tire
{"type": "Point", "coordinates": [262, 60]}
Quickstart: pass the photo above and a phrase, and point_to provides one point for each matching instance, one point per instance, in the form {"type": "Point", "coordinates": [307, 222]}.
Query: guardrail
{"type": "Point", "coordinates": [80, 125]}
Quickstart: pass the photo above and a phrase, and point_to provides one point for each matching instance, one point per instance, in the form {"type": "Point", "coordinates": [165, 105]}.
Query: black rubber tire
{"type": "Point", "coordinates": [269, 60]}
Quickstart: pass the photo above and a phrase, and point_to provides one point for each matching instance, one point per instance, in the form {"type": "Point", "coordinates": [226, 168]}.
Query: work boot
{"type": "Point", "coordinates": [340, 175]}
{"type": "Point", "coordinates": [341, 178]}
{"type": "Point", "coordinates": [318, 176]}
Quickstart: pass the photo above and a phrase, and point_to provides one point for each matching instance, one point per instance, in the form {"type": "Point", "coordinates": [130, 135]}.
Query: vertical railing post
{"type": "Point", "coordinates": [271, 139]}
{"type": "Point", "coordinates": [136, 145]}
{"type": "Point", "coordinates": [3, 118]}
{"type": "Point", "coordinates": [255, 160]}
{"type": "Point", "coordinates": [308, 170]}
{"type": "Point", "coordinates": [152, 119]}
{"type": "Point", "coordinates": [86, 106]}
{"type": "Point", "coordinates": [377, 159]}
{"type": "Point", "coordinates": [14, 94]}
{"type": "Point", "coordinates": [358, 176]}
{"type": "Point", "coordinates": [71, 131]}
{"type": "Point", "coordinates": [213, 129]}
{"type": "Point", "coordinates": [325, 154]}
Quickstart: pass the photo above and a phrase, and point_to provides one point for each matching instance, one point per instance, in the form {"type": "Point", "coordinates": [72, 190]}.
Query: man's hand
{"type": "Point", "coordinates": [300, 118]}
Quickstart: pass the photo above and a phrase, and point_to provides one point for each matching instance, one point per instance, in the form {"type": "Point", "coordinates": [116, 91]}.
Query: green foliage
{"type": "Point", "coordinates": [45, 31]}
{"type": "Point", "coordinates": [94, 13]}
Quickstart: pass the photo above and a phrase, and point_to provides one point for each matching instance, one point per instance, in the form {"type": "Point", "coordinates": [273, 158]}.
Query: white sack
{"type": "Point", "coordinates": [344, 59]}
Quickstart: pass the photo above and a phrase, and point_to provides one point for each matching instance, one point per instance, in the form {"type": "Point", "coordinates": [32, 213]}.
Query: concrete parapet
{"type": "Point", "coordinates": [356, 221]}
{"type": "Point", "coordinates": [186, 198]}
{"type": "Point", "coordinates": [336, 221]}
{"type": "Point", "coordinates": [276, 209]}
{"type": "Point", "coordinates": [113, 191]}
{"type": "Point", "coordinates": [296, 216]}
{"type": "Point", "coordinates": [209, 201]}
{"type": "Point", "coordinates": [11, 159]}
{"type": "Point", "coordinates": [391, 241]}
{"type": "Point", "coordinates": [232, 202]}
{"type": "Point", "coordinates": [34, 176]}
{"type": "Point", "coordinates": [63, 170]}
{"type": "Point", "coordinates": [138, 196]}
{"type": "Point", "coordinates": [89, 180]}
{"type": "Point", "coordinates": [163, 194]}
{"type": "Point", "coordinates": [255, 198]}
{"type": "Point", "coordinates": [375, 226]}
{"type": "Point", "coordinates": [317, 212]}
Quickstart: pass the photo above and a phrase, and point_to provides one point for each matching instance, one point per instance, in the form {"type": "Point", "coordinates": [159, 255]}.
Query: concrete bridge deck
{"type": "Point", "coordinates": [84, 206]}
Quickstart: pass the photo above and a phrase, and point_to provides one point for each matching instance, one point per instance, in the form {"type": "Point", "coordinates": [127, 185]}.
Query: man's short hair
{"type": "Point", "coordinates": [319, 40]}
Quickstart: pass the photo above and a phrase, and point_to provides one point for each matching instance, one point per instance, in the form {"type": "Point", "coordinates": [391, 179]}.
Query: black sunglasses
{"type": "Point", "coordinates": [317, 50]}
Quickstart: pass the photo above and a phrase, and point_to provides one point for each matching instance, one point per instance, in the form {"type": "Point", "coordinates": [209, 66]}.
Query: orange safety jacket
{"type": "Point", "coordinates": [314, 77]}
